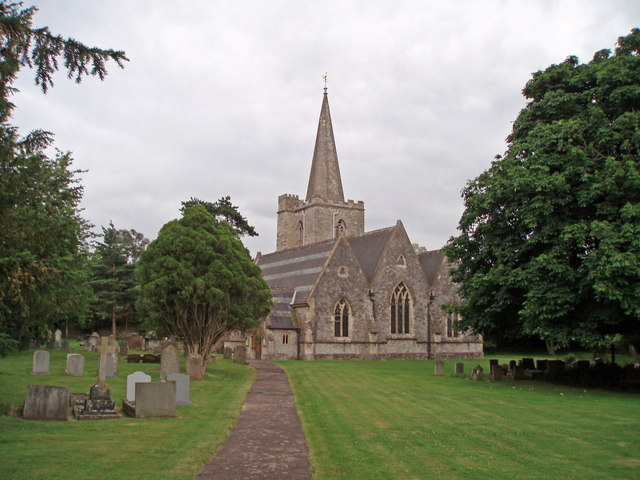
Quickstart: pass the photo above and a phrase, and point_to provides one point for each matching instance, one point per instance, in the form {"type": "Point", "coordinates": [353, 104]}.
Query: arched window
{"type": "Point", "coordinates": [341, 319]}
{"type": "Point", "coordinates": [452, 318]}
{"type": "Point", "coordinates": [401, 310]}
{"type": "Point", "coordinates": [341, 228]}
{"type": "Point", "coordinates": [285, 339]}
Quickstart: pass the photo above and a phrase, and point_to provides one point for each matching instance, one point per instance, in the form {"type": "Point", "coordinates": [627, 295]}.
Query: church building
{"type": "Point", "coordinates": [342, 293]}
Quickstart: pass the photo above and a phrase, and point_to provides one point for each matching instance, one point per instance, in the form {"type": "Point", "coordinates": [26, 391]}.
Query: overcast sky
{"type": "Point", "coordinates": [223, 98]}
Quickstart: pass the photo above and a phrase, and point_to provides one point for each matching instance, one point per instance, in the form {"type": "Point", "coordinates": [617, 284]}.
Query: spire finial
{"type": "Point", "coordinates": [324, 77]}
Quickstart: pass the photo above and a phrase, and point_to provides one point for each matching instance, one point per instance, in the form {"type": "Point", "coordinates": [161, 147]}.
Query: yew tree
{"type": "Point", "coordinates": [198, 282]}
{"type": "Point", "coordinates": [550, 235]}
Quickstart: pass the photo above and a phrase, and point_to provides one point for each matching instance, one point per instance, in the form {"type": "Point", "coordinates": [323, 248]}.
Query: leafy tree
{"type": "Point", "coordinates": [113, 276]}
{"type": "Point", "coordinates": [550, 236]}
{"type": "Point", "coordinates": [42, 235]}
{"type": "Point", "coordinates": [224, 210]}
{"type": "Point", "coordinates": [198, 282]}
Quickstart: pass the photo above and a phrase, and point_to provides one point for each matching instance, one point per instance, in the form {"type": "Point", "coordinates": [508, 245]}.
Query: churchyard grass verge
{"type": "Point", "coordinates": [395, 420]}
{"type": "Point", "coordinates": [159, 448]}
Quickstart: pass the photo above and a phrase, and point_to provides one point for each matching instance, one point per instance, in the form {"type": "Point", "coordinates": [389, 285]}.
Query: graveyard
{"type": "Point", "coordinates": [361, 419]}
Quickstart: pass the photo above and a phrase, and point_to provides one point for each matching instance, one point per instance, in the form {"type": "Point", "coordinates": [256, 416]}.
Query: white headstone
{"type": "Point", "coordinates": [57, 335]}
{"type": "Point", "coordinates": [135, 377]}
{"type": "Point", "coordinates": [40, 363]}
{"type": "Point", "coordinates": [183, 383]}
{"type": "Point", "coordinates": [75, 365]}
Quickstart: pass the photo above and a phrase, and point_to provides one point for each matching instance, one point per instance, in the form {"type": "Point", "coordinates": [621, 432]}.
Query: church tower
{"type": "Point", "coordinates": [323, 214]}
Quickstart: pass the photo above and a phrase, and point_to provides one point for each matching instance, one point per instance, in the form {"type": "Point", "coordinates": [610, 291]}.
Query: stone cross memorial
{"type": "Point", "coordinates": [104, 349]}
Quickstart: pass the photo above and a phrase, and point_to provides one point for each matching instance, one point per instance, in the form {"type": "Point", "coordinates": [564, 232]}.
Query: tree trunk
{"type": "Point", "coordinates": [550, 348]}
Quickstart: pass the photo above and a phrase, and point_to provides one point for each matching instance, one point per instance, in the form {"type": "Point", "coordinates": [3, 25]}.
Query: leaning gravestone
{"type": "Point", "coordinates": [40, 363]}
{"type": "Point", "coordinates": [240, 355]}
{"type": "Point", "coordinates": [46, 402]}
{"type": "Point", "coordinates": [182, 388]}
{"type": "Point", "coordinates": [135, 341]}
{"type": "Point", "coordinates": [75, 365]}
{"type": "Point", "coordinates": [124, 349]}
{"type": "Point", "coordinates": [135, 377]}
{"type": "Point", "coordinates": [169, 361]}
{"type": "Point", "coordinates": [459, 368]}
{"type": "Point", "coordinates": [194, 366]}
{"type": "Point", "coordinates": [439, 369]}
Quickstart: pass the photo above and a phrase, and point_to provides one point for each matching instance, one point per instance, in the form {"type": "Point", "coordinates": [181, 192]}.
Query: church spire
{"type": "Point", "coordinates": [324, 181]}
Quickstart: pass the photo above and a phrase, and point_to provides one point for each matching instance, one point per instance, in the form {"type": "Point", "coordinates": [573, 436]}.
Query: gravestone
{"type": "Point", "coordinates": [227, 352]}
{"type": "Point", "coordinates": [135, 377]}
{"type": "Point", "coordinates": [57, 335]}
{"type": "Point", "coordinates": [512, 365]}
{"type": "Point", "coordinates": [555, 367]}
{"type": "Point", "coordinates": [98, 404]}
{"type": "Point", "coordinates": [528, 364]}
{"type": "Point", "coordinates": [240, 355]}
{"type": "Point", "coordinates": [124, 349]}
{"type": "Point", "coordinates": [459, 368]}
{"type": "Point", "coordinates": [40, 363]}
{"type": "Point", "coordinates": [170, 361]}
{"type": "Point", "coordinates": [541, 364]}
{"type": "Point", "coordinates": [134, 358]}
{"type": "Point", "coordinates": [477, 373]}
{"type": "Point", "coordinates": [492, 362]}
{"type": "Point", "coordinates": [135, 341]}
{"type": "Point", "coordinates": [183, 383]}
{"type": "Point", "coordinates": [114, 354]}
{"type": "Point", "coordinates": [110, 367]}
{"type": "Point", "coordinates": [151, 358]}
{"type": "Point", "coordinates": [75, 365]}
{"type": "Point", "coordinates": [152, 343]}
{"type": "Point", "coordinates": [46, 402]}
{"type": "Point", "coordinates": [157, 399]}
{"type": "Point", "coordinates": [496, 372]}
{"type": "Point", "coordinates": [439, 368]}
{"type": "Point", "coordinates": [518, 372]}
{"type": "Point", "coordinates": [65, 346]}
{"type": "Point", "coordinates": [194, 366]}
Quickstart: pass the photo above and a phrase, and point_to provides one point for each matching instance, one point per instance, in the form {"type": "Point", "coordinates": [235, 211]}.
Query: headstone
{"type": "Point", "coordinates": [439, 368]}
{"type": "Point", "coordinates": [155, 399]}
{"type": "Point", "coordinates": [459, 368]}
{"type": "Point", "coordinates": [57, 335]}
{"type": "Point", "coordinates": [512, 365]}
{"type": "Point", "coordinates": [75, 365]}
{"type": "Point", "coordinates": [227, 352]}
{"type": "Point", "coordinates": [151, 358]}
{"type": "Point", "coordinates": [65, 346]}
{"type": "Point", "coordinates": [240, 354]}
{"type": "Point", "coordinates": [541, 364]}
{"type": "Point", "coordinates": [518, 372]}
{"type": "Point", "coordinates": [182, 388]}
{"type": "Point", "coordinates": [46, 402]}
{"type": "Point", "coordinates": [110, 368]}
{"type": "Point", "coordinates": [124, 349]}
{"type": "Point", "coordinates": [152, 343]}
{"type": "Point", "coordinates": [94, 339]}
{"type": "Point", "coordinates": [555, 367]}
{"type": "Point", "coordinates": [496, 372]}
{"type": "Point", "coordinates": [170, 361]}
{"type": "Point", "coordinates": [116, 350]}
{"type": "Point", "coordinates": [135, 341]}
{"type": "Point", "coordinates": [194, 366]}
{"type": "Point", "coordinates": [477, 373]}
{"type": "Point", "coordinates": [55, 345]}
{"type": "Point", "coordinates": [528, 364]}
{"type": "Point", "coordinates": [135, 377]}
{"type": "Point", "coordinates": [134, 358]}
{"type": "Point", "coordinates": [492, 362]}
{"type": "Point", "coordinates": [40, 363]}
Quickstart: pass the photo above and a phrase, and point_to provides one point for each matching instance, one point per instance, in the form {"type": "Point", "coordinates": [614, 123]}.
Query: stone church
{"type": "Point", "coordinates": [342, 293]}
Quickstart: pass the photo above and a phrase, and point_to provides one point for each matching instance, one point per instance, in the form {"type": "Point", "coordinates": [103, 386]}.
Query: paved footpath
{"type": "Point", "coordinates": [267, 442]}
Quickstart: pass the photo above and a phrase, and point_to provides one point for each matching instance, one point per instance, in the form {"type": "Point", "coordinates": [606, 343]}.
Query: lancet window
{"type": "Point", "coordinates": [401, 310]}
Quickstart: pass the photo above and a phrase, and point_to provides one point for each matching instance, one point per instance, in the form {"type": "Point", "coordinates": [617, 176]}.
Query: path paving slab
{"type": "Point", "coordinates": [267, 441]}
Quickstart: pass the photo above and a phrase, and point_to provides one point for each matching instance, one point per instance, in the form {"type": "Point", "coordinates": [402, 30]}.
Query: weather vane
{"type": "Point", "coordinates": [324, 77]}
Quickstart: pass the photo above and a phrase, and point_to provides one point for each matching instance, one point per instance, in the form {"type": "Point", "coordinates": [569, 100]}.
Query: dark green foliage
{"type": "Point", "coordinates": [224, 210]}
{"type": "Point", "coordinates": [42, 236]}
{"type": "Point", "coordinates": [198, 282]}
{"type": "Point", "coordinates": [550, 242]}
{"type": "Point", "coordinates": [113, 277]}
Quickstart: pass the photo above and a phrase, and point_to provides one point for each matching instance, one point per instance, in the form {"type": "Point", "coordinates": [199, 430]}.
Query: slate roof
{"type": "Point", "coordinates": [280, 315]}
{"type": "Point", "coordinates": [431, 263]}
{"type": "Point", "coordinates": [368, 249]}
{"type": "Point", "coordinates": [297, 268]}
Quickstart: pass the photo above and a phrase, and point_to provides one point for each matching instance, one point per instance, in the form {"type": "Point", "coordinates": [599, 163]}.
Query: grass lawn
{"type": "Point", "coordinates": [128, 448]}
{"type": "Point", "coordinates": [395, 420]}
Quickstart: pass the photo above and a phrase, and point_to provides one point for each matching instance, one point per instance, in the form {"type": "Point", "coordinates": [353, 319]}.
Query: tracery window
{"type": "Point", "coordinates": [452, 318]}
{"type": "Point", "coordinates": [401, 310]}
{"type": "Point", "coordinates": [341, 319]}
{"type": "Point", "coordinates": [341, 228]}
